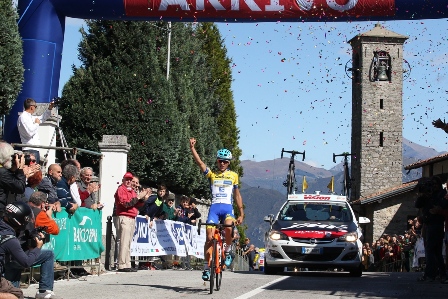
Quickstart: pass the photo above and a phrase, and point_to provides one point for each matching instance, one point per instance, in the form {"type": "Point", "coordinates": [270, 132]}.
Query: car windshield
{"type": "Point", "coordinates": [330, 211]}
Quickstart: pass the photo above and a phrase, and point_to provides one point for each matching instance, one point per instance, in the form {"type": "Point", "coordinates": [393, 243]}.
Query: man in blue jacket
{"type": "Point", "coordinates": [69, 176]}
{"type": "Point", "coordinates": [48, 185]}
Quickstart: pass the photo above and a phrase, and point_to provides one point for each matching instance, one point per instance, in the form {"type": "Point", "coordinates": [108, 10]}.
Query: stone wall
{"type": "Point", "coordinates": [390, 216]}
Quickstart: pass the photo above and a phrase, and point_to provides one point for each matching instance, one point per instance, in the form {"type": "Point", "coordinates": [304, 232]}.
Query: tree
{"type": "Point", "coordinates": [224, 107]}
{"type": "Point", "coordinates": [221, 75]}
{"type": "Point", "coordinates": [121, 89]}
{"type": "Point", "coordinates": [11, 52]}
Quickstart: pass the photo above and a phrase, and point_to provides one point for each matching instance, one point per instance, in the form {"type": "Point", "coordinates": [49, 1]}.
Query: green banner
{"type": "Point", "coordinates": [80, 236]}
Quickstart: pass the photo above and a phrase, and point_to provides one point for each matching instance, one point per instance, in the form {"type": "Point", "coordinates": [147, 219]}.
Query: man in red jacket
{"type": "Point", "coordinates": [127, 203]}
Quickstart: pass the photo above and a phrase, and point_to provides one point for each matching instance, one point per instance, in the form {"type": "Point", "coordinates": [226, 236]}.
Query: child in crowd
{"type": "Point", "coordinates": [196, 214]}
{"type": "Point", "coordinates": [168, 208]}
{"type": "Point", "coordinates": [153, 208]}
{"type": "Point", "coordinates": [184, 213]}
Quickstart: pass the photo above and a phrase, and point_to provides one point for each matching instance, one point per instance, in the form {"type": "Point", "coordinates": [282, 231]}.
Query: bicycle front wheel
{"type": "Point", "coordinates": [219, 265]}
{"type": "Point", "coordinates": [213, 266]}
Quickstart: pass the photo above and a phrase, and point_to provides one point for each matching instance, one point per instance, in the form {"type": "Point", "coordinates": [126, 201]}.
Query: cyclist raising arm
{"type": "Point", "coordinates": [224, 189]}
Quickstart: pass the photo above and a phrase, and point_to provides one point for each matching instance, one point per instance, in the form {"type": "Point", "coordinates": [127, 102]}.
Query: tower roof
{"type": "Point", "coordinates": [379, 31]}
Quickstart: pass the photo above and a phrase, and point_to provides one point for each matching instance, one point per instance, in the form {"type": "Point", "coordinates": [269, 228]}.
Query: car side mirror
{"type": "Point", "coordinates": [269, 218]}
{"type": "Point", "coordinates": [364, 220]}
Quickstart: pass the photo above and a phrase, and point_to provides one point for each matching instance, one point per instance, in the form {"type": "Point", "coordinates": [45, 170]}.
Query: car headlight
{"type": "Point", "coordinates": [350, 237]}
{"type": "Point", "coordinates": [277, 235]}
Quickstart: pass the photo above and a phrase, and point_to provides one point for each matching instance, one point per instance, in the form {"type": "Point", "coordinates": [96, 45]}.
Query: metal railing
{"type": "Point", "coordinates": [74, 150]}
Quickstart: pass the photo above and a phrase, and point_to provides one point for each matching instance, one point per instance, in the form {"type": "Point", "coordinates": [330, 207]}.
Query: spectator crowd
{"type": "Point", "coordinates": [131, 200]}
{"type": "Point", "coordinates": [390, 253]}
{"type": "Point", "coordinates": [29, 197]}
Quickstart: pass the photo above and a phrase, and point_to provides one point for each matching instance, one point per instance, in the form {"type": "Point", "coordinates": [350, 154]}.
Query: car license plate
{"type": "Point", "coordinates": [311, 250]}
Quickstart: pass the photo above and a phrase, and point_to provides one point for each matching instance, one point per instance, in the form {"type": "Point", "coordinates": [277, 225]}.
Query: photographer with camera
{"type": "Point", "coordinates": [12, 177]}
{"type": "Point", "coordinates": [432, 197]}
{"type": "Point", "coordinates": [43, 226]}
{"type": "Point", "coordinates": [28, 125]}
{"type": "Point", "coordinates": [14, 256]}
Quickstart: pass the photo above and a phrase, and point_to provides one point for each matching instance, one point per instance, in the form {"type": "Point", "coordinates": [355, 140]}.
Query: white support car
{"type": "Point", "coordinates": [314, 231]}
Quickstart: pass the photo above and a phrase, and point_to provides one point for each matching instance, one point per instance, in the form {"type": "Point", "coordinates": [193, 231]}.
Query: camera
{"type": "Point", "coordinates": [56, 101]}
{"type": "Point", "coordinates": [30, 236]}
{"type": "Point", "coordinates": [19, 156]}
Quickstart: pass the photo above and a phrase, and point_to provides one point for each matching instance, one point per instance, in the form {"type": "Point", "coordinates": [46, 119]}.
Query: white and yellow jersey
{"type": "Point", "coordinates": [222, 185]}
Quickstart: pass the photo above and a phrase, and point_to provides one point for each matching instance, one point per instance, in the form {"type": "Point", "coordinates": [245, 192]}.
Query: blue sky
{"type": "Point", "coordinates": [291, 90]}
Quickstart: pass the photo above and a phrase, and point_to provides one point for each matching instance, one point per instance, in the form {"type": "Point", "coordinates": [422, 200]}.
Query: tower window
{"type": "Point", "coordinates": [381, 104]}
{"type": "Point", "coordinates": [381, 67]}
{"type": "Point", "coordinates": [381, 139]}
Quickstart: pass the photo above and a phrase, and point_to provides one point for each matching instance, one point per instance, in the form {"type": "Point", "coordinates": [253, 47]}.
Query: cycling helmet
{"type": "Point", "coordinates": [224, 154]}
{"type": "Point", "coordinates": [18, 214]}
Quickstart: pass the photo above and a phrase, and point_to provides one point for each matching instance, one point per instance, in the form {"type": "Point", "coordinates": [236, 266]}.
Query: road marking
{"type": "Point", "coordinates": [261, 289]}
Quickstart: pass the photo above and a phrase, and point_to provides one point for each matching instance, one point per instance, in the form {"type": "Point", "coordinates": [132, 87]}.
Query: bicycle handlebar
{"type": "Point", "coordinates": [293, 153]}
{"type": "Point", "coordinates": [218, 225]}
{"type": "Point", "coordinates": [345, 155]}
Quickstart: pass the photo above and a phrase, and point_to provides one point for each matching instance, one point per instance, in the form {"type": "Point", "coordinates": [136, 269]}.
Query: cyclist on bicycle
{"type": "Point", "coordinates": [224, 189]}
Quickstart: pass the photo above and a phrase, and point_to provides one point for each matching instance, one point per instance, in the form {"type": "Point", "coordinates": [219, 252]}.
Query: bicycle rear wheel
{"type": "Point", "coordinates": [213, 266]}
{"type": "Point", "coordinates": [218, 280]}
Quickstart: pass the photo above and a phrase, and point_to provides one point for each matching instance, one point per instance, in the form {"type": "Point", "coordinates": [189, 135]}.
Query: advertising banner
{"type": "Point", "coordinates": [166, 237]}
{"type": "Point", "coordinates": [79, 237]}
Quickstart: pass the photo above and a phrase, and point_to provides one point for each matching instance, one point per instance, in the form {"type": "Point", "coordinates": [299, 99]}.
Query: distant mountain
{"type": "Point", "coordinates": [413, 152]}
{"type": "Point", "coordinates": [263, 191]}
{"type": "Point", "coordinates": [259, 202]}
{"type": "Point", "coordinates": [271, 174]}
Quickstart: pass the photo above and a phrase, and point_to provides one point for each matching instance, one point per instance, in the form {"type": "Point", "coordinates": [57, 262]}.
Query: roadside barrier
{"type": "Point", "coordinates": [166, 237]}
{"type": "Point", "coordinates": [79, 242]}
{"type": "Point", "coordinates": [241, 262]}
{"type": "Point", "coordinates": [166, 243]}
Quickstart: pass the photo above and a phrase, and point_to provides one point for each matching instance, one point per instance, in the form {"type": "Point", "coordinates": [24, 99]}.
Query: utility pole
{"type": "Point", "coordinates": [169, 52]}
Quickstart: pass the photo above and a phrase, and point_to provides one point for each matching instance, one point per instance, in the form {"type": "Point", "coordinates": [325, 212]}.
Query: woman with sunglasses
{"type": "Point", "coordinates": [224, 187]}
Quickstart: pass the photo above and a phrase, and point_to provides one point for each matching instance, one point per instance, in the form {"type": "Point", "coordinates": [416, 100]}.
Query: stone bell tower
{"type": "Point", "coordinates": [377, 125]}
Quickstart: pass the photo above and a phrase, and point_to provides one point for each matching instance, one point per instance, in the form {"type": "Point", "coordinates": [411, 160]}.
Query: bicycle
{"type": "Point", "coordinates": [217, 256]}
{"type": "Point", "coordinates": [347, 180]}
{"type": "Point", "coordinates": [291, 183]}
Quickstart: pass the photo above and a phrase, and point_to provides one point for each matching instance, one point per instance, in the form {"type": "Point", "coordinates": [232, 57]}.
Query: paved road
{"type": "Point", "coordinates": [242, 285]}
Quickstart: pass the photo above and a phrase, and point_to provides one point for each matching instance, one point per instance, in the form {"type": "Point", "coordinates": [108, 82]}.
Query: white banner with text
{"type": "Point", "coordinates": [166, 237]}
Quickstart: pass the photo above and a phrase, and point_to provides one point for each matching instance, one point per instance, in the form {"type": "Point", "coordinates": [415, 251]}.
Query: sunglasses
{"type": "Point", "coordinates": [223, 161]}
